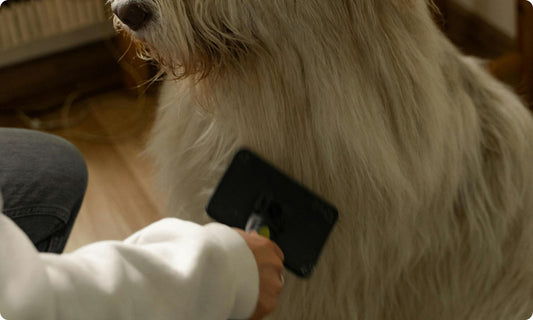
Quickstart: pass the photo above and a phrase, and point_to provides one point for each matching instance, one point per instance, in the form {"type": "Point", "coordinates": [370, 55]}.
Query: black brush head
{"type": "Point", "coordinates": [299, 221]}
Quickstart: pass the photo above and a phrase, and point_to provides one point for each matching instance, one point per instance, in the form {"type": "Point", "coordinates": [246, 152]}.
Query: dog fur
{"type": "Point", "coordinates": [428, 159]}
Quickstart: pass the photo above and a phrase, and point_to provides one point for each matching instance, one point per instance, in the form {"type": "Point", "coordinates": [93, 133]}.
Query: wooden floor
{"type": "Point", "coordinates": [110, 130]}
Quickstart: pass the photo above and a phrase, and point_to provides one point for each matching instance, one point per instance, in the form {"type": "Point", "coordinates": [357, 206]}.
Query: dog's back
{"type": "Point", "coordinates": [428, 159]}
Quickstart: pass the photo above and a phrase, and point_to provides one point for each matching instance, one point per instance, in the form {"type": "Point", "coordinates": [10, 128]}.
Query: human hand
{"type": "Point", "coordinates": [269, 259]}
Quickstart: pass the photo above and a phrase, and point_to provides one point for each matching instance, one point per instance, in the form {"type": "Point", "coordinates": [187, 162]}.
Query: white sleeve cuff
{"type": "Point", "coordinates": [245, 272]}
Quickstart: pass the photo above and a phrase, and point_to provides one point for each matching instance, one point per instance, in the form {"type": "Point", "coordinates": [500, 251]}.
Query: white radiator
{"type": "Point", "coordinates": [30, 29]}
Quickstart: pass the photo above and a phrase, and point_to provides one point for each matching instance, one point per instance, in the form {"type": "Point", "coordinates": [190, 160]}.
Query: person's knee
{"type": "Point", "coordinates": [43, 179]}
{"type": "Point", "coordinates": [40, 169]}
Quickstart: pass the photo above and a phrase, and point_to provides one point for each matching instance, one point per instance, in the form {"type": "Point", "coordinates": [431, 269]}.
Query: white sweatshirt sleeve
{"type": "Point", "coordinates": [171, 269]}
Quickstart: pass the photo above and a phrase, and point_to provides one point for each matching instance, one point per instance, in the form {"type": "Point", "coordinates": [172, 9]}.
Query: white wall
{"type": "Point", "coordinates": [500, 13]}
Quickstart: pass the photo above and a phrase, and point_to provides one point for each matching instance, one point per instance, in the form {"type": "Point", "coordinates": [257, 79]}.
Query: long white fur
{"type": "Point", "coordinates": [428, 158]}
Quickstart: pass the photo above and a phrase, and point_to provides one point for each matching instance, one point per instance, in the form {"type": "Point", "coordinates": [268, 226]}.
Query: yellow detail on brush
{"type": "Point", "coordinates": [264, 231]}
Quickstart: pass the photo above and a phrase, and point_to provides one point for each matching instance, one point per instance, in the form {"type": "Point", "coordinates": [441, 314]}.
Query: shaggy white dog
{"type": "Point", "coordinates": [428, 158]}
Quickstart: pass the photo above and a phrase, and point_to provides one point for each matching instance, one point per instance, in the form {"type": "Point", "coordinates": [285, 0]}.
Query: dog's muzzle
{"type": "Point", "coordinates": [132, 14]}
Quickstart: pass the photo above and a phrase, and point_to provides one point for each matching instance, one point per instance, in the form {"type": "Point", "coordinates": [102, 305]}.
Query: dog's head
{"type": "Point", "coordinates": [199, 36]}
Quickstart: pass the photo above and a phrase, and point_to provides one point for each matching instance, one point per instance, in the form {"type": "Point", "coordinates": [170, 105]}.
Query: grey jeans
{"type": "Point", "coordinates": [42, 180]}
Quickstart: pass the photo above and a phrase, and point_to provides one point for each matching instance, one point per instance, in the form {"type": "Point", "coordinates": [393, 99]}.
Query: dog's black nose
{"type": "Point", "coordinates": [132, 14]}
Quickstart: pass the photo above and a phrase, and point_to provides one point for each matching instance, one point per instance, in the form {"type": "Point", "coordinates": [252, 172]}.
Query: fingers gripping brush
{"type": "Point", "coordinates": [253, 195]}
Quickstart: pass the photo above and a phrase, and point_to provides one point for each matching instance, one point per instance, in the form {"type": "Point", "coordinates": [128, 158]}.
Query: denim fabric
{"type": "Point", "coordinates": [42, 180]}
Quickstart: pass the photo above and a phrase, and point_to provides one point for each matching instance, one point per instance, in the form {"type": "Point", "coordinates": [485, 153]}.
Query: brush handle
{"type": "Point", "coordinates": [257, 223]}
